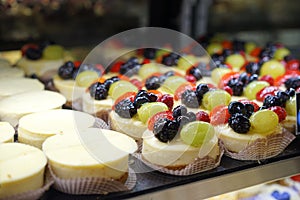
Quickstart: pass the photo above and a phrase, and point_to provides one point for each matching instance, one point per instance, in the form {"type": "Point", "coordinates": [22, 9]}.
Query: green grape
{"type": "Point", "coordinates": [290, 106]}
{"type": "Point", "coordinates": [196, 133]}
{"type": "Point", "coordinates": [281, 53]}
{"type": "Point", "coordinates": [253, 88]}
{"type": "Point", "coordinates": [121, 87]}
{"type": "Point", "coordinates": [53, 52]}
{"type": "Point", "coordinates": [171, 84]}
{"type": "Point", "coordinates": [273, 68]}
{"type": "Point", "coordinates": [147, 69]}
{"type": "Point", "coordinates": [214, 47]}
{"type": "Point", "coordinates": [217, 74]}
{"type": "Point", "coordinates": [249, 46]}
{"type": "Point", "coordinates": [185, 62]}
{"type": "Point", "coordinates": [147, 110]}
{"type": "Point", "coordinates": [215, 98]}
{"type": "Point", "coordinates": [263, 121]}
{"type": "Point", "coordinates": [161, 52]}
{"type": "Point", "coordinates": [236, 61]}
{"type": "Point", "coordinates": [86, 78]}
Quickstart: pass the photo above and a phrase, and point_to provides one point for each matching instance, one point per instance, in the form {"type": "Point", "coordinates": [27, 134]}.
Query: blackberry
{"type": "Point", "coordinates": [236, 86]}
{"type": "Point", "coordinates": [33, 53]}
{"type": "Point", "coordinates": [239, 123]}
{"type": "Point", "coordinates": [139, 101]}
{"type": "Point", "coordinates": [110, 81]}
{"type": "Point", "coordinates": [271, 100]}
{"type": "Point", "coordinates": [149, 53]}
{"type": "Point", "coordinates": [201, 90]}
{"type": "Point", "coordinates": [66, 71]}
{"type": "Point", "coordinates": [235, 107]}
{"type": "Point", "coordinates": [293, 82]}
{"type": "Point", "coordinates": [133, 60]}
{"type": "Point", "coordinates": [226, 52]}
{"type": "Point", "coordinates": [169, 60]}
{"type": "Point", "coordinates": [98, 91]}
{"type": "Point", "coordinates": [217, 58]}
{"type": "Point", "coordinates": [125, 109]}
{"type": "Point", "coordinates": [152, 83]}
{"type": "Point", "coordinates": [179, 111]}
{"type": "Point", "coordinates": [152, 97]}
{"type": "Point", "coordinates": [195, 72]}
{"type": "Point", "coordinates": [165, 130]}
{"type": "Point", "coordinates": [131, 67]}
{"type": "Point", "coordinates": [190, 99]}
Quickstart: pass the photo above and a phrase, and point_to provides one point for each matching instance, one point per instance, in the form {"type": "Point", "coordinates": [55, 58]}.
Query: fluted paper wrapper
{"type": "Point", "coordinates": [199, 165]}
{"type": "Point", "coordinates": [263, 148]}
{"type": "Point", "coordinates": [34, 194]}
{"type": "Point", "coordinates": [99, 123]}
{"type": "Point", "coordinates": [93, 185]}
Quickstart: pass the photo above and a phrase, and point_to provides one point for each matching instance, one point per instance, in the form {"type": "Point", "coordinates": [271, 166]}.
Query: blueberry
{"type": "Point", "coordinates": [168, 60]}
{"type": "Point", "coordinates": [253, 77]}
{"type": "Point", "coordinates": [152, 97]}
{"type": "Point", "coordinates": [291, 92]}
{"type": "Point", "coordinates": [195, 72]}
{"type": "Point", "coordinates": [149, 53]}
{"type": "Point", "coordinates": [191, 116]}
{"type": "Point", "coordinates": [249, 109]}
{"type": "Point", "coordinates": [236, 86]}
{"type": "Point", "coordinates": [182, 120]}
{"type": "Point", "coordinates": [201, 90]}
{"type": "Point", "coordinates": [140, 100]}
{"type": "Point", "coordinates": [169, 73]}
{"type": "Point", "coordinates": [292, 82]}
{"type": "Point", "coordinates": [125, 109]}
{"type": "Point", "coordinates": [252, 68]}
{"type": "Point", "coordinates": [239, 123]}
{"type": "Point", "coordinates": [243, 78]}
{"type": "Point", "coordinates": [179, 111]}
{"type": "Point", "coordinates": [152, 83]}
{"type": "Point", "coordinates": [283, 96]}
{"type": "Point", "coordinates": [33, 53]}
{"type": "Point", "coordinates": [98, 91]}
{"type": "Point", "coordinates": [190, 99]}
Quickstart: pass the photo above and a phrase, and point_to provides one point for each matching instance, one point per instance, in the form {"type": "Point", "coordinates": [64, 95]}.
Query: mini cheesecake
{"type": "Point", "coordinates": [6, 132]}
{"type": "Point", "coordinates": [68, 88]}
{"type": "Point", "coordinates": [41, 68]}
{"type": "Point", "coordinates": [176, 154]}
{"type": "Point", "coordinates": [21, 169]}
{"type": "Point", "coordinates": [14, 107]}
{"type": "Point", "coordinates": [13, 86]}
{"type": "Point", "coordinates": [51, 122]}
{"type": "Point", "coordinates": [11, 72]}
{"type": "Point", "coordinates": [132, 127]}
{"type": "Point", "coordinates": [92, 153]}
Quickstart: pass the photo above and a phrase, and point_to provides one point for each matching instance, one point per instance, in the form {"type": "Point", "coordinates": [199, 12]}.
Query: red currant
{"type": "Point", "coordinates": [202, 116]}
{"type": "Point", "coordinates": [281, 112]}
{"type": "Point", "coordinates": [168, 100]}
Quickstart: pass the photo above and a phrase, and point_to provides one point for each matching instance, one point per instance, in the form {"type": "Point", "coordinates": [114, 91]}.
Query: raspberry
{"type": "Point", "coordinates": [281, 112]}
{"type": "Point", "coordinates": [202, 116]}
{"type": "Point", "coordinates": [168, 100]}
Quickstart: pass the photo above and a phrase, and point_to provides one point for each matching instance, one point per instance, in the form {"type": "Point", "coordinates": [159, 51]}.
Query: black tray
{"type": "Point", "coordinates": [155, 181]}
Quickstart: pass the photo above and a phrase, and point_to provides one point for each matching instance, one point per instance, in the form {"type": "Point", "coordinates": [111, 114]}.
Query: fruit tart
{"type": "Point", "coordinates": [251, 133]}
{"type": "Point", "coordinates": [181, 142]}
{"type": "Point", "coordinates": [41, 60]}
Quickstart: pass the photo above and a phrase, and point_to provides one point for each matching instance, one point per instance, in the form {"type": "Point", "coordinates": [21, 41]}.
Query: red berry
{"type": "Point", "coordinates": [27, 46]}
{"type": "Point", "coordinates": [298, 89]}
{"type": "Point", "coordinates": [77, 64]}
{"type": "Point", "coordinates": [164, 114]}
{"type": "Point", "coordinates": [146, 61]}
{"type": "Point", "coordinates": [116, 66]}
{"type": "Point", "coordinates": [137, 83]}
{"type": "Point", "coordinates": [219, 115]}
{"type": "Point", "coordinates": [293, 64]}
{"type": "Point", "coordinates": [190, 78]}
{"type": "Point", "coordinates": [127, 95]}
{"type": "Point", "coordinates": [228, 89]}
{"type": "Point", "coordinates": [268, 79]}
{"type": "Point", "coordinates": [202, 116]}
{"type": "Point", "coordinates": [168, 100]}
{"type": "Point", "coordinates": [246, 101]}
{"type": "Point", "coordinates": [280, 111]}
{"type": "Point", "coordinates": [296, 178]}
{"type": "Point", "coordinates": [226, 77]}
{"type": "Point", "coordinates": [270, 90]}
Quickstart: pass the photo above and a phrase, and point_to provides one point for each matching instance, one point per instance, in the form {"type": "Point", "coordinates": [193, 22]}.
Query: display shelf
{"type": "Point", "coordinates": [229, 176]}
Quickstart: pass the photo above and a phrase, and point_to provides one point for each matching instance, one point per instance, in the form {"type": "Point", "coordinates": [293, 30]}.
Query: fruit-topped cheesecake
{"type": "Point", "coordinates": [250, 132]}
{"type": "Point", "coordinates": [99, 97]}
{"type": "Point", "coordinates": [41, 60]}
{"type": "Point", "coordinates": [132, 111]}
{"type": "Point", "coordinates": [72, 79]}
{"type": "Point", "coordinates": [176, 139]}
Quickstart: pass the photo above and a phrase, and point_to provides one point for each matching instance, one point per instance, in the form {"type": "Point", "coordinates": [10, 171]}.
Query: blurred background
{"type": "Point", "coordinates": [73, 23]}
